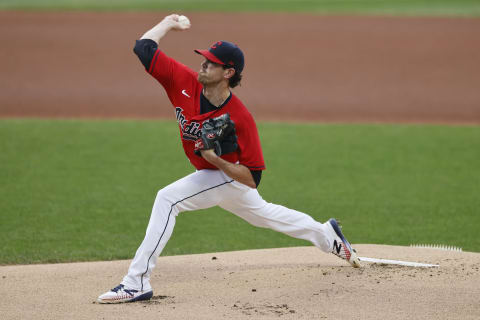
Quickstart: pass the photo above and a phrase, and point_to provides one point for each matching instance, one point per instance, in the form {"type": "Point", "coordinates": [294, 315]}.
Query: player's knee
{"type": "Point", "coordinates": [160, 193]}
{"type": "Point", "coordinates": [162, 197]}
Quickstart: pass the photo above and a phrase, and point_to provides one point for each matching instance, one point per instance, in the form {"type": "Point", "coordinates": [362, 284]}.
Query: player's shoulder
{"type": "Point", "coordinates": [162, 59]}
{"type": "Point", "coordinates": [238, 108]}
{"type": "Point", "coordinates": [239, 112]}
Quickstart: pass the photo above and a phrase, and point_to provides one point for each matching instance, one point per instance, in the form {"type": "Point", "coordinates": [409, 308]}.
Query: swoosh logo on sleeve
{"type": "Point", "coordinates": [184, 92]}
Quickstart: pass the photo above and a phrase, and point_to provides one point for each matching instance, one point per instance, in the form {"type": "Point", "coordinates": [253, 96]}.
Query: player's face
{"type": "Point", "coordinates": [211, 73]}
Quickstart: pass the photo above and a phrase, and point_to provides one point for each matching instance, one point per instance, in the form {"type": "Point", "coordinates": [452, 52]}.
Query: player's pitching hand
{"type": "Point", "coordinates": [177, 22]}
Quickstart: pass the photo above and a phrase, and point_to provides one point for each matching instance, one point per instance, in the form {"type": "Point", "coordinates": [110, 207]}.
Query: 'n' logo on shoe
{"type": "Point", "coordinates": [337, 246]}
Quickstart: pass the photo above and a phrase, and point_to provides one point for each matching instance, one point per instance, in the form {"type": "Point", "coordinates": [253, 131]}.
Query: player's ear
{"type": "Point", "coordinates": [229, 73]}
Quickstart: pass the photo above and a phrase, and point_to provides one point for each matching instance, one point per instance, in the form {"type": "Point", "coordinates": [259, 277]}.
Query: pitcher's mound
{"type": "Point", "coordinates": [287, 283]}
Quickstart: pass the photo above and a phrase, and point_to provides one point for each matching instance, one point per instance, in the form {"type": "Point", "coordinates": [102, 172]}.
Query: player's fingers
{"type": "Point", "coordinates": [172, 20]}
{"type": "Point", "coordinates": [184, 27]}
{"type": "Point", "coordinates": [184, 23]}
{"type": "Point", "coordinates": [174, 17]}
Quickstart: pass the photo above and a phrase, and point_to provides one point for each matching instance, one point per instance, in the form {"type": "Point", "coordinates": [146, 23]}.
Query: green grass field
{"type": "Point", "coordinates": [78, 190]}
{"type": "Point", "coordinates": [378, 7]}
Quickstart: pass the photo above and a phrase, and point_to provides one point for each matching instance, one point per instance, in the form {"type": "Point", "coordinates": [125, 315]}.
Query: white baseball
{"type": "Point", "coordinates": [184, 22]}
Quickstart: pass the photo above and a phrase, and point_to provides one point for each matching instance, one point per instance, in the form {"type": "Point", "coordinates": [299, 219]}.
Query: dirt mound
{"type": "Point", "coordinates": [299, 67]}
{"type": "Point", "coordinates": [287, 283]}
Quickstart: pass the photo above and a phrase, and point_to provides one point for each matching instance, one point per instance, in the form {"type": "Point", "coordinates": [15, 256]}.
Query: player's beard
{"type": "Point", "coordinates": [201, 78]}
{"type": "Point", "coordinates": [206, 81]}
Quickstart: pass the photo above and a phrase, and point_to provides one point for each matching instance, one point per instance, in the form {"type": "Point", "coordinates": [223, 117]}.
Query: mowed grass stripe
{"type": "Point", "coordinates": [380, 7]}
{"type": "Point", "coordinates": [78, 190]}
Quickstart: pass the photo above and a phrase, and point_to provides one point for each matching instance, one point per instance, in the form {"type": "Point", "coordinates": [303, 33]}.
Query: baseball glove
{"type": "Point", "coordinates": [218, 134]}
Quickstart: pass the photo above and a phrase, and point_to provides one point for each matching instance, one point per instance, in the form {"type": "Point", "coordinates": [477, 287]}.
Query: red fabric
{"type": "Point", "coordinates": [183, 90]}
{"type": "Point", "coordinates": [207, 54]}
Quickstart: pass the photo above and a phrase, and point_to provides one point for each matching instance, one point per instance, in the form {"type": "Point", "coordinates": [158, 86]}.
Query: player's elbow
{"type": "Point", "coordinates": [138, 48]}
{"type": "Point", "coordinates": [251, 184]}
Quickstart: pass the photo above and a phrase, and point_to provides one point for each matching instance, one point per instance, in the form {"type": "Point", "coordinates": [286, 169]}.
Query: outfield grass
{"type": "Point", "coordinates": [380, 7]}
{"type": "Point", "coordinates": [83, 190]}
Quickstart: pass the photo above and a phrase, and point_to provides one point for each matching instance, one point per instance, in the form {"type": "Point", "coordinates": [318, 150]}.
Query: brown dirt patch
{"type": "Point", "coordinates": [298, 67]}
{"type": "Point", "coordinates": [288, 283]}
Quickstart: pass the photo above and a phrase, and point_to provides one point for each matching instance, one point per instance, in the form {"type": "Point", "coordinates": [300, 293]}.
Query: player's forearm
{"type": "Point", "coordinates": [159, 31]}
{"type": "Point", "coordinates": [237, 172]}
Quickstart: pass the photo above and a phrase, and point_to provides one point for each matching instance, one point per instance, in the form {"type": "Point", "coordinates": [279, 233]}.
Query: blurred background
{"type": "Point", "coordinates": [367, 111]}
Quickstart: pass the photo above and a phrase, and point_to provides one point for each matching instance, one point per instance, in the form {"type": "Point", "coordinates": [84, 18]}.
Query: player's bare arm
{"type": "Point", "coordinates": [237, 172]}
{"type": "Point", "coordinates": [171, 22]}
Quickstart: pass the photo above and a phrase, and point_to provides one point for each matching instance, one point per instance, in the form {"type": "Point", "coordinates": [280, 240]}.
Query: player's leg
{"type": "Point", "coordinates": [198, 190]}
{"type": "Point", "coordinates": [249, 205]}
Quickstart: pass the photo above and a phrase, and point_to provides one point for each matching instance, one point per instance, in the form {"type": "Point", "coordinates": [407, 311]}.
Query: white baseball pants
{"type": "Point", "coordinates": [207, 188]}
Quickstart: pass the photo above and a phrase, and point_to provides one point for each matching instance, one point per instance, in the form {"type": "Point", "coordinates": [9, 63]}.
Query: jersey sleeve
{"type": "Point", "coordinates": [145, 50]}
{"type": "Point", "coordinates": [251, 154]}
{"type": "Point", "coordinates": [171, 74]}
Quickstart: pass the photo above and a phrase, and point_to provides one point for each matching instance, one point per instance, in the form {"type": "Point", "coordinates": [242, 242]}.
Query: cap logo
{"type": "Point", "coordinates": [219, 43]}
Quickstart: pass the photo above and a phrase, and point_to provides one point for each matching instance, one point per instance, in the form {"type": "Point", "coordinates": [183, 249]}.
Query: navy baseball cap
{"type": "Point", "coordinates": [226, 54]}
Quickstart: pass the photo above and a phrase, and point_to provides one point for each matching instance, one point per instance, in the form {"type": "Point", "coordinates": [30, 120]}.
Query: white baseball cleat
{"type": "Point", "coordinates": [120, 294]}
{"type": "Point", "coordinates": [341, 247]}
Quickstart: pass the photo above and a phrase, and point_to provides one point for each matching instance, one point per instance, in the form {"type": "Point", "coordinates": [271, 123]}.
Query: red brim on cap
{"type": "Point", "coordinates": [207, 54]}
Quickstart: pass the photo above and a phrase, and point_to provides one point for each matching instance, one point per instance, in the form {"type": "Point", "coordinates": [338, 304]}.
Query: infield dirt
{"type": "Point", "coordinates": [290, 283]}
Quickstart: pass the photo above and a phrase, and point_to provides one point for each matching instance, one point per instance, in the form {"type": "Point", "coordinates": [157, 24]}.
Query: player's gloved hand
{"type": "Point", "coordinates": [218, 134]}
{"type": "Point", "coordinates": [229, 144]}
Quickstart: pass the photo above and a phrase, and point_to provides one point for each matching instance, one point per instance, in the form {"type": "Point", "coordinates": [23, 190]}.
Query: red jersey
{"type": "Point", "coordinates": [184, 90]}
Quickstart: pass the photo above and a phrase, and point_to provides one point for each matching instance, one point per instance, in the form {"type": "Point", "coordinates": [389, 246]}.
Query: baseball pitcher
{"type": "Point", "coordinates": [220, 138]}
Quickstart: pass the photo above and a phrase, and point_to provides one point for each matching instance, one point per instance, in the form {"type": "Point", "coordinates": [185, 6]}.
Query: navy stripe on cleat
{"type": "Point", "coordinates": [341, 247]}
{"type": "Point", "coordinates": [120, 294]}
